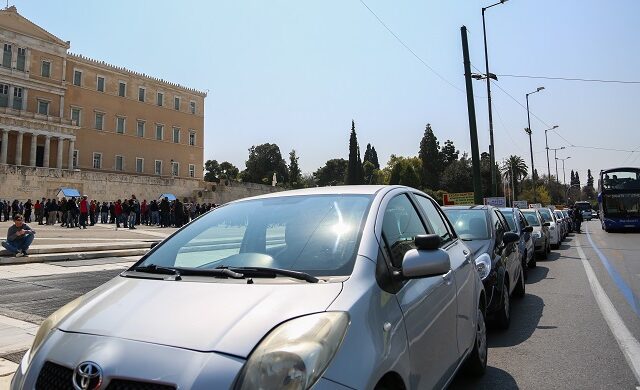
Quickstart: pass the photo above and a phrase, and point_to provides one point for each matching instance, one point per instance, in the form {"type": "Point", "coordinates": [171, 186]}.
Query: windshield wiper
{"type": "Point", "coordinates": [180, 271]}
{"type": "Point", "coordinates": [266, 272]}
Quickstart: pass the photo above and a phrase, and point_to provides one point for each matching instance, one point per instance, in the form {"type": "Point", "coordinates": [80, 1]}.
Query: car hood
{"type": "Point", "coordinates": [216, 316]}
{"type": "Point", "coordinates": [479, 247]}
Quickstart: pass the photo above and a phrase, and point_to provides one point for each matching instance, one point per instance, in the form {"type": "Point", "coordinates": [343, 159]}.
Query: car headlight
{"type": "Point", "coordinates": [483, 265]}
{"type": "Point", "coordinates": [296, 353]}
{"type": "Point", "coordinates": [552, 228]}
{"type": "Point", "coordinates": [49, 324]}
{"type": "Point", "coordinates": [537, 234]}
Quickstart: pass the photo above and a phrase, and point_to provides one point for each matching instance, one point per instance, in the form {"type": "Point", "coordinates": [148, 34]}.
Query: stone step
{"type": "Point", "coordinates": [84, 247]}
{"type": "Point", "coordinates": [65, 256]}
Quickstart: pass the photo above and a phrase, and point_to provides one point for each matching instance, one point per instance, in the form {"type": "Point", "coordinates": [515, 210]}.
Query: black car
{"type": "Point", "coordinates": [495, 251]}
{"type": "Point", "coordinates": [526, 246]}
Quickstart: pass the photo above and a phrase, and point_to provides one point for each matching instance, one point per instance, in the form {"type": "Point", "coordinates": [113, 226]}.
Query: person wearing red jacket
{"type": "Point", "coordinates": [84, 212]}
{"type": "Point", "coordinates": [118, 212]}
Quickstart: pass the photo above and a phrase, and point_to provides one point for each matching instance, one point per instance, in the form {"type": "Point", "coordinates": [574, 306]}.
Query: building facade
{"type": "Point", "coordinates": [64, 111]}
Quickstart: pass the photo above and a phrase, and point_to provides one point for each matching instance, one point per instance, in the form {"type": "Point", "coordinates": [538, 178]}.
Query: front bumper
{"type": "Point", "coordinates": [539, 244]}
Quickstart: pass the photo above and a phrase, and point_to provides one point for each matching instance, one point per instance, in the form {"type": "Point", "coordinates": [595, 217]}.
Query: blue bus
{"type": "Point", "coordinates": [619, 198]}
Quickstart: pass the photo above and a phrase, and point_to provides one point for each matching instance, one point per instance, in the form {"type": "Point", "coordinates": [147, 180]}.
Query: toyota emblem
{"type": "Point", "coordinates": [87, 376]}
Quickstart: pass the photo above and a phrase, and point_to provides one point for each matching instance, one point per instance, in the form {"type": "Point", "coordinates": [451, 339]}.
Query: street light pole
{"type": "Point", "coordinates": [555, 156]}
{"type": "Point", "coordinates": [546, 142]}
{"type": "Point", "coordinates": [492, 155]}
{"type": "Point", "coordinates": [564, 173]}
{"type": "Point", "coordinates": [528, 130]}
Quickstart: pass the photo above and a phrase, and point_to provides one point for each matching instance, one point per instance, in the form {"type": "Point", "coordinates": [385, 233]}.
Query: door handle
{"type": "Point", "coordinates": [448, 277]}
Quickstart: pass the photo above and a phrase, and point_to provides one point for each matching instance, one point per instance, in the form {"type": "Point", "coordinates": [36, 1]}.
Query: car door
{"type": "Point", "coordinates": [528, 238]}
{"type": "Point", "coordinates": [510, 251]}
{"type": "Point", "coordinates": [428, 304]}
{"type": "Point", "coordinates": [463, 272]}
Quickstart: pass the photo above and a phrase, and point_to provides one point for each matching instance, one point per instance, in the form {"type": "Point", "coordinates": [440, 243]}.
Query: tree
{"type": "Point", "coordinates": [573, 178]}
{"type": "Point", "coordinates": [374, 157]}
{"type": "Point", "coordinates": [456, 177]}
{"type": "Point", "coordinates": [588, 192]}
{"type": "Point", "coordinates": [542, 195]}
{"type": "Point", "coordinates": [449, 154]}
{"type": "Point", "coordinates": [229, 170]}
{"type": "Point", "coordinates": [212, 171]}
{"type": "Point", "coordinates": [405, 171]}
{"type": "Point", "coordinates": [371, 156]}
{"type": "Point", "coordinates": [295, 174]}
{"type": "Point", "coordinates": [332, 174]}
{"type": "Point", "coordinates": [263, 161]}
{"type": "Point", "coordinates": [430, 156]}
{"type": "Point", "coordinates": [516, 166]}
{"type": "Point", "coordinates": [355, 173]}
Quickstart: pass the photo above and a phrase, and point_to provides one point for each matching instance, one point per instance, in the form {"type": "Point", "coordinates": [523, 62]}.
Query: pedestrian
{"type": "Point", "coordinates": [38, 211]}
{"type": "Point", "coordinates": [165, 209]}
{"type": "Point", "coordinates": [53, 212]}
{"type": "Point", "coordinates": [19, 237]}
{"type": "Point", "coordinates": [28, 207]}
{"type": "Point", "coordinates": [93, 211]}
{"type": "Point", "coordinates": [104, 213]}
{"type": "Point", "coordinates": [134, 209]}
{"type": "Point", "coordinates": [155, 213]}
{"type": "Point", "coordinates": [144, 213]}
{"type": "Point", "coordinates": [117, 211]}
{"type": "Point", "coordinates": [126, 208]}
{"type": "Point", "coordinates": [84, 212]}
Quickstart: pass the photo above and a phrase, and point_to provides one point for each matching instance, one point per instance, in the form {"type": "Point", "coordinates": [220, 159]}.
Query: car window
{"type": "Point", "coordinates": [509, 216]}
{"type": "Point", "coordinates": [435, 218]}
{"type": "Point", "coordinates": [546, 215]}
{"type": "Point", "coordinates": [522, 220]}
{"type": "Point", "coordinates": [498, 225]}
{"type": "Point", "coordinates": [400, 225]}
{"type": "Point", "coordinates": [469, 224]}
{"type": "Point", "coordinates": [532, 218]}
{"type": "Point", "coordinates": [314, 234]}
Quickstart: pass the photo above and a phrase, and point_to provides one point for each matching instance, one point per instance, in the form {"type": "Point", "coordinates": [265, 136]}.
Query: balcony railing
{"type": "Point", "coordinates": [32, 115]}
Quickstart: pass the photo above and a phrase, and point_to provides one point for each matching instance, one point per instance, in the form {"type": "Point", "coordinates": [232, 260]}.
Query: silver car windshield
{"type": "Point", "coordinates": [546, 215]}
{"type": "Point", "coordinates": [318, 235]}
{"type": "Point", "coordinates": [532, 218]}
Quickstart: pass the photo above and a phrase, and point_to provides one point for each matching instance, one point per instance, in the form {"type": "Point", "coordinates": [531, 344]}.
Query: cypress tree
{"type": "Point", "coordinates": [355, 172]}
{"type": "Point", "coordinates": [430, 156]}
{"type": "Point", "coordinates": [374, 157]}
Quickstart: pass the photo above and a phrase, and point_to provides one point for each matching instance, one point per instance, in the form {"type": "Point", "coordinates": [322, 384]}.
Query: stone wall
{"type": "Point", "coordinates": [24, 183]}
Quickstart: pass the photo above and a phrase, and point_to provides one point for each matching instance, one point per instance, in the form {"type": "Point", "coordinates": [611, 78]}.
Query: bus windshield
{"type": "Point", "coordinates": [623, 179]}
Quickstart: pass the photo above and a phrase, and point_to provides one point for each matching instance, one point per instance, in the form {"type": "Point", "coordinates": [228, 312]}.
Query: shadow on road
{"type": "Point", "coordinates": [534, 275]}
{"type": "Point", "coordinates": [525, 317]}
{"type": "Point", "coordinates": [494, 378]}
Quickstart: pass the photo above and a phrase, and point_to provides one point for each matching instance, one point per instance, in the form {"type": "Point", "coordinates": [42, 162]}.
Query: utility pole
{"type": "Point", "coordinates": [528, 130]}
{"type": "Point", "coordinates": [473, 130]}
{"type": "Point", "coordinates": [546, 143]}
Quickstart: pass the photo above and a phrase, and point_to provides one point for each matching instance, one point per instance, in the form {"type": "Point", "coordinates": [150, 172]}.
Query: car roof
{"type": "Point", "coordinates": [332, 190]}
{"type": "Point", "coordinates": [468, 207]}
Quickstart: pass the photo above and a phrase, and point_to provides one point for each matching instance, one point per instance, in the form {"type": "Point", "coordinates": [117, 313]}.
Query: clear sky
{"type": "Point", "coordinates": [296, 72]}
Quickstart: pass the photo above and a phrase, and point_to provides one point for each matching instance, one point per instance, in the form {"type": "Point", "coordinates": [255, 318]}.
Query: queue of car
{"type": "Point", "coordinates": [349, 287]}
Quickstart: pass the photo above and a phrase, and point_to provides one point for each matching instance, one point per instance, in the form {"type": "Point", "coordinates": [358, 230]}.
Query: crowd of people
{"type": "Point", "coordinates": [81, 212]}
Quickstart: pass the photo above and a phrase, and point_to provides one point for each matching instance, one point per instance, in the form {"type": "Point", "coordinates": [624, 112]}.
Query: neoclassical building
{"type": "Point", "coordinates": [64, 111]}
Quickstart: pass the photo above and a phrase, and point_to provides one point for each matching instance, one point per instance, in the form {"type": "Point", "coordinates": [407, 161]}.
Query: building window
{"type": "Point", "coordinates": [175, 168]}
{"type": "Point", "coordinates": [75, 158]}
{"type": "Point", "coordinates": [99, 121]}
{"type": "Point", "coordinates": [100, 84]}
{"type": "Point", "coordinates": [139, 165]}
{"type": "Point", "coordinates": [192, 106]}
{"type": "Point", "coordinates": [45, 69]}
{"type": "Point", "coordinates": [192, 170]}
{"type": "Point", "coordinates": [160, 98]}
{"type": "Point", "coordinates": [22, 58]}
{"type": "Point", "coordinates": [77, 78]}
{"type": "Point", "coordinates": [6, 56]}
{"type": "Point", "coordinates": [140, 129]}
{"type": "Point", "coordinates": [141, 92]}
{"type": "Point", "coordinates": [43, 107]}
{"type": "Point", "coordinates": [75, 116]}
{"type": "Point", "coordinates": [192, 138]}
{"type": "Point", "coordinates": [122, 89]}
{"type": "Point", "coordinates": [158, 167]}
{"type": "Point", "coordinates": [97, 160]}
{"type": "Point", "coordinates": [120, 125]}
{"type": "Point", "coordinates": [119, 163]}
{"type": "Point", "coordinates": [176, 103]}
{"type": "Point", "coordinates": [159, 132]}
{"type": "Point", "coordinates": [17, 98]}
{"type": "Point", "coordinates": [176, 135]}
{"type": "Point", "coordinates": [4, 95]}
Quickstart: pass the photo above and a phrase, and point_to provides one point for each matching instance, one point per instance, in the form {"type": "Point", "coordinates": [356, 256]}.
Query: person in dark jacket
{"type": "Point", "coordinates": [19, 237]}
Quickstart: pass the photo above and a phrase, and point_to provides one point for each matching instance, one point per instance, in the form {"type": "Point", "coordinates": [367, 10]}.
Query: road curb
{"type": "Point", "coordinates": [65, 256]}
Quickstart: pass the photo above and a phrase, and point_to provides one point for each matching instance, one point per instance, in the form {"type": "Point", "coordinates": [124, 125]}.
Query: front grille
{"type": "Point", "coordinates": [54, 377]}
{"type": "Point", "coordinates": [122, 384]}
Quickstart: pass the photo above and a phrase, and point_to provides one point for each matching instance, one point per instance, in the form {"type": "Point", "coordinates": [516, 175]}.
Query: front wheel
{"type": "Point", "coordinates": [503, 316]}
{"type": "Point", "coordinates": [476, 363]}
{"type": "Point", "coordinates": [519, 291]}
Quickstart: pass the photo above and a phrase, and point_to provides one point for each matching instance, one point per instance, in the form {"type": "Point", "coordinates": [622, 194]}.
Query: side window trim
{"type": "Point", "coordinates": [452, 235]}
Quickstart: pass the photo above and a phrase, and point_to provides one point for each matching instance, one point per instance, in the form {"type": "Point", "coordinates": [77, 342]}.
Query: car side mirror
{"type": "Point", "coordinates": [427, 241]}
{"type": "Point", "coordinates": [546, 224]}
{"type": "Point", "coordinates": [154, 244]}
{"type": "Point", "coordinates": [422, 263]}
{"type": "Point", "coordinates": [528, 229]}
{"type": "Point", "coordinates": [510, 237]}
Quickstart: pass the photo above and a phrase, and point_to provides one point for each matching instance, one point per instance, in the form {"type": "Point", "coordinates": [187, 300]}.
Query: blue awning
{"type": "Point", "coordinates": [168, 196]}
{"type": "Point", "coordinates": [68, 192]}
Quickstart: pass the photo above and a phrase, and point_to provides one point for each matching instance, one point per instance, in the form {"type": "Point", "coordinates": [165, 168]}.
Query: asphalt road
{"type": "Point", "coordinates": [558, 337]}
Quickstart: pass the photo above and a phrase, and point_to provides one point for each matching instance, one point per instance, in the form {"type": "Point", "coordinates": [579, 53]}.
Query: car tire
{"type": "Point", "coordinates": [520, 289]}
{"type": "Point", "coordinates": [525, 268]}
{"type": "Point", "coordinates": [532, 263]}
{"type": "Point", "coordinates": [503, 315]}
{"type": "Point", "coordinates": [476, 364]}
{"type": "Point", "coordinates": [545, 252]}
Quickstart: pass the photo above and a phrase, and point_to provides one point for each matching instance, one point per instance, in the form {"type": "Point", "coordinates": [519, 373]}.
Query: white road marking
{"type": "Point", "coordinates": [629, 346]}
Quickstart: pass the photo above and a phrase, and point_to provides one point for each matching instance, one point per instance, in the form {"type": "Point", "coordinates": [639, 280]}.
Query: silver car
{"type": "Point", "coordinates": [363, 287]}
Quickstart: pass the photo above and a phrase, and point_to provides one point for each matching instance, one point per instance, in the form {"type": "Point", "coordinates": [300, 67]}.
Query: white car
{"type": "Point", "coordinates": [554, 229]}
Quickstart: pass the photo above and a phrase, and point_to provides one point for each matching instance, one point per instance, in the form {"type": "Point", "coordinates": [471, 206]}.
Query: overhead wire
{"type": "Point", "coordinates": [572, 79]}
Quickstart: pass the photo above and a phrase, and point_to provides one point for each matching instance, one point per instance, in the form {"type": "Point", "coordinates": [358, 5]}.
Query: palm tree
{"type": "Point", "coordinates": [514, 165]}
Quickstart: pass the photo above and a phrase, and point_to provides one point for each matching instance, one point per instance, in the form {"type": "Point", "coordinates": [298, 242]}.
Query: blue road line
{"type": "Point", "coordinates": [624, 288]}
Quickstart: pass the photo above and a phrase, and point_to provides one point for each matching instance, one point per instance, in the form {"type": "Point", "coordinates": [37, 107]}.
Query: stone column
{"type": "Point", "coordinates": [5, 144]}
{"type": "Point", "coordinates": [19, 148]}
{"type": "Point", "coordinates": [34, 144]}
{"type": "Point", "coordinates": [72, 145]}
{"type": "Point", "coordinates": [11, 91]}
{"type": "Point", "coordinates": [47, 150]}
{"type": "Point", "coordinates": [59, 158]}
